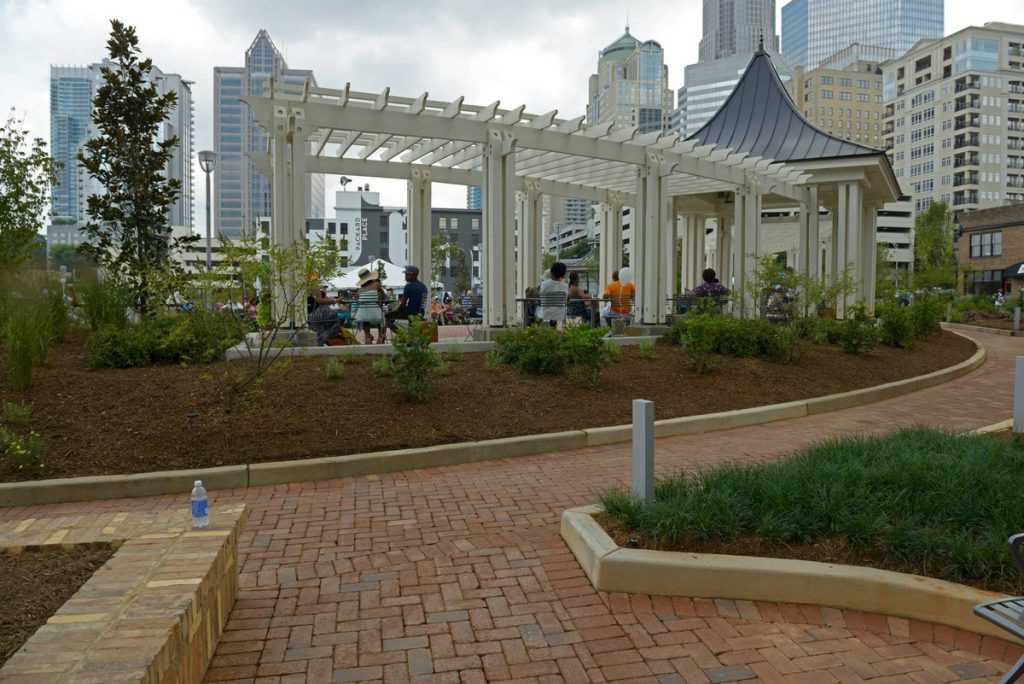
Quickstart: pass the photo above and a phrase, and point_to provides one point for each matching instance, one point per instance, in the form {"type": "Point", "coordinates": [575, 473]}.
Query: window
{"type": "Point", "coordinates": [383, 220]}
{"type": "Point", "coordinates": [475, 223]}
{"type": "Point", "coordinates": [826, 94]}
{"type": "Point", "coordinates": [826, 80]}
{"type": "Point", "coordinates": [861, 83]}
{"type": "Point", "coordinates": [442, 223]}
{"type": "Point", "coordinates": [987, 244]}
{"type": "Point", "coordinates": [844, 95]}
{"type": "Point", "coordinates": [454, 223]}
{"type": "Point", "coordinates": [845, 83]}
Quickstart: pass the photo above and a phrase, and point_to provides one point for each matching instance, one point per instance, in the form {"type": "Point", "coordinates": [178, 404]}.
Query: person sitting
{"type": "Point", "coordinates": [621, 295]}
{"type": "Point", "coordinates": [410, 303]}
{"type": "Point", "coordinates": [710, 287]}
{"type": "Point", "coordinates": [579, 300]}
{"type": "Point", "coordinates": [554, 285]}
{"type": "Point", "coordinates": [321, 319]}
{"type": "Point", "coordinates": [436, 310]}
{"type": "Point", "coordinates": [370, 296]}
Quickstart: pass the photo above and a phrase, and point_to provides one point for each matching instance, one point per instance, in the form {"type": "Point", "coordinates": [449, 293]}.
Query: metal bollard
{"type": "Point", "coordinates": [1018, 400]}
{"type": "Point", "coordinates": [643, 449]}
{"type": "Point", "coordinates": [949, 312]}
{"type": "Point", "coordinates": [1016, 319]}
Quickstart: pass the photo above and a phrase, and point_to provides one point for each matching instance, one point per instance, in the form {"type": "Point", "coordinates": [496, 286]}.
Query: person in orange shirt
{"type": "Point", "coordinates": [620, 295]}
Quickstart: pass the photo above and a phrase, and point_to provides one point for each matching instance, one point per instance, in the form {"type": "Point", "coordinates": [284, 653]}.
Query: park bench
{"type": "Point", "coordinates": [1008, 613]}
{"type": "Point", "coordinates": [681, 303]}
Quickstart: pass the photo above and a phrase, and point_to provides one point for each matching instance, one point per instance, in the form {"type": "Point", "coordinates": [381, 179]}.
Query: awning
{"type": "Point", "coordinates": [1015, 271]}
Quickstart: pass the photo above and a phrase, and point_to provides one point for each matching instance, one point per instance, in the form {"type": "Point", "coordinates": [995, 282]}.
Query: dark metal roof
{"type": "Point", "coordinates": [760, 119]}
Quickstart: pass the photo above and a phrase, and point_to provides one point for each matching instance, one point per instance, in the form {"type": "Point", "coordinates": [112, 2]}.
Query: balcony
{"type": "Point", "coordinates": [1015, 107]}
{"type": "Point", "coordinates": [965, 179]}
{"type": "Point", "coordinates": [967, 122]}
{"type": "Point", "coordinates": [1017, 89]}
{"type": "Point", "coordinates": [962, 160]}
{"type": "Point", "coordinates": [1015, 163]}
{"type": "Point", "coordinates": [1015, 182]}
{"type": "Point", "coordinates": [1015, 126]}
{"type": "Point", "coordinates": [965, 141]}
{"type": "Point", "coordinates": [962, 198]}
{"type": "Point", "coordinates": [967, 103]}
{"type": "Point", "coordinates": [962, 86]}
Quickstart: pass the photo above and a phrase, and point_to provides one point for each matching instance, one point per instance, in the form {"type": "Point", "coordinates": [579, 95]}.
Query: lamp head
{"type": "Point", "coordinates": [207, 160]}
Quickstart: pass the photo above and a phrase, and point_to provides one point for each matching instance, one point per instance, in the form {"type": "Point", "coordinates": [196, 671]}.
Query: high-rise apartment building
{"type": "Point", "coordinates": [241, 194]}
{"type": "Point", "coordinates": [814, 29]}
{"type": "Point", "coordinates": [954, 118]}
{"type": "Point", "coordinates": [630, 87]}
{"type": "Point", "coordinates": [474, 197]}
{"type": "Point", "coordinates": [72, 89]}
{"type": "Point", "coordinates": [733, 31]}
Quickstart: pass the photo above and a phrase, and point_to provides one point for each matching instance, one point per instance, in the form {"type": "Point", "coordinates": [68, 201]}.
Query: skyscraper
{"type": "Point", "coordinates": [630, 87]}
{"type": "Point", "coordinates": [474, 197]}
{"type": "Point", "coordinates": [734, 27]}
{"type": "Point", "coordinates": [733, 31]}
{"type": "Point", "coordinates": [241, 194]}
{"type": "Point", "coordinates": [814, 29]}
{"type": "Point", "coordinates": [72, 89]}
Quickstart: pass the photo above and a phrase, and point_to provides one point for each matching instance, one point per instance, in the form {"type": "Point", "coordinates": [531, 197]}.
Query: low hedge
{"type": "Point", "coordinates": [196, 337]}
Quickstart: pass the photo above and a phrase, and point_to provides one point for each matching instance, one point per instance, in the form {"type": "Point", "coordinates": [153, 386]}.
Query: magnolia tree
{"type": "Point", "coordinates": [129, 234]}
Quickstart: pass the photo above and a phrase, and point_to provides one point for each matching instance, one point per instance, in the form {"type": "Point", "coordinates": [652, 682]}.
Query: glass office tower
{"type": "Point", "coordinates": [815, 29]}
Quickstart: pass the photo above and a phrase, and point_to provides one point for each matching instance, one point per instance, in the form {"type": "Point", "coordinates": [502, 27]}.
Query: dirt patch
{"type": "Point", "coordinates": [34, 584]}
{"type": "Point", "coordinates": [170, 417]}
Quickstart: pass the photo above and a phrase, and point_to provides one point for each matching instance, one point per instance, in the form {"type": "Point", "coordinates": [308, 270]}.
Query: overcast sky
{"type": "Point", "coordinates": [533, 52]}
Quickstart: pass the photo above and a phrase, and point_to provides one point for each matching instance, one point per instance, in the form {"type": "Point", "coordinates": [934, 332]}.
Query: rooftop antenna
{"type": "Point", "coordinates": [627, 19]}
{"type": "Point", "coordinates": [760, 42]}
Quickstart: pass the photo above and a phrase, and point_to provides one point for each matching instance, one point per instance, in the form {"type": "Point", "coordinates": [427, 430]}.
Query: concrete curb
{"type": "Point", "coordinates": [953, 327]}
{"type": "Point", "coordinates": [612, 568]}
{"type": "Point", "coordinates": [283, 472]}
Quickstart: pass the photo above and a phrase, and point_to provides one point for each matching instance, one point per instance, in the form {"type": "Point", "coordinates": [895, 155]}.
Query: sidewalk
{"type": "Point", "coordinates": [458, 574]}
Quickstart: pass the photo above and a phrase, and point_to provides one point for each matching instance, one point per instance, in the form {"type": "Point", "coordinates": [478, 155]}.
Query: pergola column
{"type": "Point", "coordinates": [418, 225]}
{"type": "Point", "coordinates": [747, 226]}
{"type": "Point", "coordinates": [498, 247]}
{"type": "Point", "coordinates": [808, 259]}
{"type": "Point", "coordinates": [531, 217]}
{"type": "Point", "coordinates": [669, 249]}
{"type": "Point", "coordinates": [288, 213]}
{"type": "Point", "coordinates": [611, 239]}
{"type": "Point", "coordinates": [723, 245]}
{"type": "Point", "coordinates": [651, 213]}
{"type": "Point", "coordinates": [869, 230]}
{"type": "Point", "coordinates": [847, 248]}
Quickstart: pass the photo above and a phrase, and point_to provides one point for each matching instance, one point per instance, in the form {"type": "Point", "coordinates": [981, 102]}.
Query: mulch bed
{"type": "Point", "coordinates": [171, 417]}
{"type": "Point", "coordinates": [34, 584]}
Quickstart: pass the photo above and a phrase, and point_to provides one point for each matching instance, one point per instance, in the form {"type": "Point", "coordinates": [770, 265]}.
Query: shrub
{"type": "Point", "coordinates": [646, 350]}
{"type": "Point", "coordinates": [104, 303]}
{"type": "Point", "coordinates": [857, 333]}
{"type": "Point", "coordinates": [333, 368]}
{"type": "Point", "coordinates": [383, 366]}
{"type": "Point", "coordinates": [197, 337]}
{"type": "Point", "coordinates": [541, 349]}
{"type": "Point", "coordinates": [699, 344]}
{"type": "Point", "coordinates": [16, 414]}
{"type": "Point", "coordinates": [895, 325]}
{"type": "Point", "coordinates": [26, 451]}
{"type": "Point", "coordinates": [30, 330]}
{"type": "Point", "coordinates": [414, 359]}
{"type": "Point", "coordinates": [586, 353]}
{"type": "Point", "coordinates": [753, 338]}
{"type": "Point", "coordinates": [114, 347]}
{"type": "Point", "coordinates": [926, 314]}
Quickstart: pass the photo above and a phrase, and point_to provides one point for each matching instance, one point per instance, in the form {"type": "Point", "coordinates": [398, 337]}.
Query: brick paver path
{"type": "Point", "coordinates": [458, 574]}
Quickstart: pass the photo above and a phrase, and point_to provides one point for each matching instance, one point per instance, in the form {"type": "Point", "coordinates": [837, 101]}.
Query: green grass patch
{"type": "Point", "coordinates": [942, 503]}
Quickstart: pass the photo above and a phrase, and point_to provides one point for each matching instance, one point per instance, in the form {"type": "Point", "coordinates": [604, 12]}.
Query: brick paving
{"type": "Point", "coordinates": [457, 574]}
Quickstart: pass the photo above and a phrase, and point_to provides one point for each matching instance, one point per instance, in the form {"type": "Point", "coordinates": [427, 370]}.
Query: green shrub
{"type": "Point", "coordinates": [926, 314]}
{"type": "Point", "coordinates": [699, 344]}
{"type": "Point", "coordinates": [857, 333]}
{"type": "Point", "coordinates": [333, 368]}
{"type": "Point", "coordinates": [383, 366]}
{"type": "Point", "coordinates": [30, 330]}
{"type": "Point", "coordinates": [895, 325]}
{"type": "Point", "coordinates": [586, 353]}
{"type": "Point", "coordinates": [677, 331]}
{"type": "Point", "coordinates": [752, 338]}
{"type": "Point", "coordinates": [16, 414]}
{"type": "Point", "coordinates": [197, 337]}
{"type": "Point", "coordinates": [646, 350]}
{"type": "Point", "coordinates": [26, 451]}
{"type": "Point", "coordinates": [817, 329]}
{"type": "Point", "coordinates": [115, 347]}
{"type": "Point", "coordinates": [414, 359]}
{"type": "Point", "coordinates": [543, 350]}
{"type": "Point", "coordinates": [105, 304]}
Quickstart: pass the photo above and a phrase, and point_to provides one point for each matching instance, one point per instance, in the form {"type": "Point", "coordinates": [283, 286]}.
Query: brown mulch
{"type": "Point", "coordinates": [34, 584]}
{"type": "Point", "coordinates": [170, 417]}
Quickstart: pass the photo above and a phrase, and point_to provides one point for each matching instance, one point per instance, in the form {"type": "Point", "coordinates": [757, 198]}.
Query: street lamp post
{"type": "Point", "coordinates": [207, 162]}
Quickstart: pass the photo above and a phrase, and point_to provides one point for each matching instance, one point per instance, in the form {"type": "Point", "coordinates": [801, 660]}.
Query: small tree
{"type": "Point", "coordinates": [934, 264]}
{"type": "Point", "coordinates": [26, 174]}
{"type": "Point", "coordinates": [129, 234]}
{"type": "Point", "coordinates": [443, 250]}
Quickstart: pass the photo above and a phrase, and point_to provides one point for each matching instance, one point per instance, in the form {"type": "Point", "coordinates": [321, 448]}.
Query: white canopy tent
{"type": "Point", "coordinates": [394, 276]}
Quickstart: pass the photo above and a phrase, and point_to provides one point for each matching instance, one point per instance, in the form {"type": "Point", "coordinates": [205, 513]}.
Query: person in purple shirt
{"type": "Point", "coordinates": [710, 287]}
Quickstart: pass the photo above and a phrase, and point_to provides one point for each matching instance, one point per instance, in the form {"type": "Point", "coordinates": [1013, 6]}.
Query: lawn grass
{"type": "Point", "coordinates": [944, 503]}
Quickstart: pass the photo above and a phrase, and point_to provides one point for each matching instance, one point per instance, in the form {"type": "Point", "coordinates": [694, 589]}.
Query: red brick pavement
{"type": "Point", "coordinates": [457, 574]}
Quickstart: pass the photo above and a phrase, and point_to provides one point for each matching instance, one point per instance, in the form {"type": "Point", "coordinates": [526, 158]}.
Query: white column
{"type": "Point", "coordinates": [611, 239]}
{"type": "Point", "coordinates": [647, 229]}
{"type": "Point", "coordinates": [854, 249]}
{"type": "Point", "coordinates": [288, 213]}
{"type": "Point", "coordinates": [497, 263]}
{"type": "Point", "coordinates": [418, 225]}
{"type": "Point", "coordinates": [739, 249]}
{"type": "Point", "coordinates": [531, 215]}
{"type": "Point", "coordinates": [869, 231]}
{"type": "Point", "coordinates": [698, 250]}
{"type": "Point", "coordinates": [723, 265]}
{"type": "Point", "coordinates": [689, 246]}
{"type": "Point", "coordinates": [748, 220]}
{"type": "Point", "coordinates": [669, 249]}
{"type": "Point", "coordinates": [814, 235]}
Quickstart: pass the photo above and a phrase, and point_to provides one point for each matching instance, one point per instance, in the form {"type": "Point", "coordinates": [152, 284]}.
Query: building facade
{"type": "Point", "coordinates": [474, 197]}
{"type": "Point", "coordinates": [72, 89]}
{"type": "Point", "coordinates": [732, 31]}
{"type": "Point", "coordinates": [954, 118]}
{"type": "Point", "coordinates": [991, 249]}
{"type": "Point", "coordinates": [630, 87]}
{"type": "Point", "coordinates": [241, 194]}
{"type": "Point", "coordinates": [814, 29]}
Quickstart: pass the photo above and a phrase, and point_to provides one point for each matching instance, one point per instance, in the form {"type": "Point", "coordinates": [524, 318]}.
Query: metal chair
{"type": "Point", "coordinates": [620, 319]}
{"type": "Point", "coordinates": [553, 307]}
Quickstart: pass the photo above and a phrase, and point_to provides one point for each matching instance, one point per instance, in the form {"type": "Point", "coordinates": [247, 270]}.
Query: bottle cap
{"type": "Point", "coordinates": [199, 483]}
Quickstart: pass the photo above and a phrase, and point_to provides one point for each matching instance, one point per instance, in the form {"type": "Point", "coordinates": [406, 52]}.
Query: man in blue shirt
{"type": "Point", "coordinates": [412, 300]}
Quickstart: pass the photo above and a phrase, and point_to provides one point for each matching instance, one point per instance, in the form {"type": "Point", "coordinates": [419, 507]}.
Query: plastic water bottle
{"type": "Point", "coordinates": [200, 516]}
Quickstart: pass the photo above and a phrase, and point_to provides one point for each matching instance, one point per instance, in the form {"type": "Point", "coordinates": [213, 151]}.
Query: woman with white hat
{"type": "Point", "coordinates": [370, 296]}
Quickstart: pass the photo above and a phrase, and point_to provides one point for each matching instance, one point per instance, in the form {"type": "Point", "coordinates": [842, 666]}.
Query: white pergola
{"type": "Point", "coordinates": [517, 157]}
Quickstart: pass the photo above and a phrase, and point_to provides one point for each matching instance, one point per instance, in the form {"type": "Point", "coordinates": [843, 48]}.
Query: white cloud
{"type": "Point", "coordinates": [531, 52]}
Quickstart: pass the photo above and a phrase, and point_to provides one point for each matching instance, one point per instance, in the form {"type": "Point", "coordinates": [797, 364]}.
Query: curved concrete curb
{"type": "Point", "coordinates": [664, 573]}
{"type": "Point", "coordinates": [953, 327]}
{"type": "Point", "coordinates": [283, 472]}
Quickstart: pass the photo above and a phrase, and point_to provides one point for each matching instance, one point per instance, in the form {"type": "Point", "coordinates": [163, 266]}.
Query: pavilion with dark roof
{"type": "Point", "coordinates": [851, 181]}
